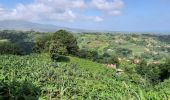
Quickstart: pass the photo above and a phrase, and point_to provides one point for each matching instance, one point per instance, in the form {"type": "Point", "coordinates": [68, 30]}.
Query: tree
{"type": "Point", "coordinates": [88, 54]}
{"type": "Point", "coordinates": [7, 47]}
{"type": "Point", "coordinates": [56, 50]}
{"type": "Point", "coordinates": [150, 72]}
{"type": "Point", "coordinates": [123, 51]}
{"type": "Point", "coordinates": [67, 39]}
{"type": "Point", "coordinates": [114, 60]}
{"type": "Point", "coordinates": [13, 36]}
{"type": "Point", "coordinates": [41, 43]}
{"type": "Point", "coordinates": [165, 70]}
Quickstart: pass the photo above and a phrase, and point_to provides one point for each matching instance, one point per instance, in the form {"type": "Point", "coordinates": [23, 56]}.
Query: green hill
{"type": "Point", "coordinates": [36, 77]}
{"type": "Point", "coordinates": [42, 68]}
{"type": "Point", "coordinates": [141, 45]}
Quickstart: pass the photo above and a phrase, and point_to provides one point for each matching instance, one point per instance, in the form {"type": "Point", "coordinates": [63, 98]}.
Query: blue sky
{"type": "Point", "coordinates": [114, 15]}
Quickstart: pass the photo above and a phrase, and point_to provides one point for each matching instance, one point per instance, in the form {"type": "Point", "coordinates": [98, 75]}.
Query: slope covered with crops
{"type": "Point", "coordinates": [35, 77]}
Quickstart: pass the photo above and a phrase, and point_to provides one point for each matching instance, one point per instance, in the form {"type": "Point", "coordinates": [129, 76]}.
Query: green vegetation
{"type": "Point", "coordinates": [6, 47]}
{"type": "Point", "coordinates": [35, 76]}
{"type": "Point", "coordinates": [132, 44]}
{"type": "Point", "coordinates": [155, 73]}
{"type": "Point", "coordinates": [85, 66]}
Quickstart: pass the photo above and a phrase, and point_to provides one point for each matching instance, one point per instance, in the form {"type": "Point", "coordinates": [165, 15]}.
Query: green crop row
{"type": "Point", "coordinates": [35, 77]}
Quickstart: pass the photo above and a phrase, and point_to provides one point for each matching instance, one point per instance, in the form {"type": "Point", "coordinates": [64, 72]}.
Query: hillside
{"type": "Point", "coordinates": [27, 26]}
{"type": "Point", "coordinates": [75, 79]}
{"type": "Point", "coordinates": [84, 50]}
{"type": "Point", "coordinates": [138, 44]}
{"type": "Point", "coordinates": [66, 66]}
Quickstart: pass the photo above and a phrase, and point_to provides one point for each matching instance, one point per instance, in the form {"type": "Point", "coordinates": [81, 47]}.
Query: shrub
{"type": "Point", "coordinates": [165, 71]}
{"type": "Point", "coordinates": [105, 59]}
{"type": "Point", "coordinates": [9, 48]}
{"type": "Point", "coordinates": [155, 73]}
{"type": "Point", "coordinates": [56, 49]}
{"type": "Point", "coordinates": [13, 36]}
{"type": "Point", "coordinates": [123, 52]}
{"type": "Point", "coordinates": [114, 60]}
{"type": "Point", "coordinates": [41, 43]}
{"type": "Point", "coordinates": [106, 54]}
{"type": "Point", "coordinates": [87, 54]}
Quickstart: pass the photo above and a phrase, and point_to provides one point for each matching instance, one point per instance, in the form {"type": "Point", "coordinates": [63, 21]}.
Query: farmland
{"type": "Point", "coordinates": [71, 66]}
{"type": "Point", "coordinates": [84, 50]}
{"type": "Point", "coordinates": [140, 45]}
{"type": "Point", "coordinates": [36, 77]}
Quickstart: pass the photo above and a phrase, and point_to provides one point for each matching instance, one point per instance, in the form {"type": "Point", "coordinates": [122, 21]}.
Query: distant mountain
{"type": "Point", "coordinates": [26, 26]}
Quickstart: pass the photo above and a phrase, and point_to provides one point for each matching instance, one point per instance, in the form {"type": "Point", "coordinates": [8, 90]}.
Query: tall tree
{"type": "Point", "coordinates": [67, 39]}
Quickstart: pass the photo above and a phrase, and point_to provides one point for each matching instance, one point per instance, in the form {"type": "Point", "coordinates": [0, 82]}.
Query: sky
{"type": "Point", "coordinates": [110, 15]}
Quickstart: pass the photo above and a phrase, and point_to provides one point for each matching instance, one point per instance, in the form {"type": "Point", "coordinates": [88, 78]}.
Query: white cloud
{"type": "Point", "coordinates": [60, 10]}
{"type": "Point", "coordinates": [98, 19]}
{"type": "Point", "coordinates": [114, 12]}
{"type": "Point", "coordinates": [60, 4]}
{"type": "Point", "coordinates": [112, 7]}
{"type": "Point", "coordinates": [1, 11]}
{"type": "Point", "coordinates": [91, 18]}
{"type": "Point", "coordinates": [4, 13]}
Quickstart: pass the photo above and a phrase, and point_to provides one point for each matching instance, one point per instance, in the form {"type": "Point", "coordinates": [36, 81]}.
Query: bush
{"type": "Point", "coordinates": [56, 49]}
{"type": "Point", "coordinates": [26, 47]}
{"type": "Point", "coordinates": [123, 52]}
{"type": "Point", "coordinates": [9, 48]}
{"type": "Point", "coordinates": [165, 71]}
{"type": "Point", "coordinates": [87, 54]}
{"type": "Point", "coordinates": [15, 42]}
{"type": "Point", "coordinates": [42, 43]}
{"type": "Point", "coordinates": [13, 36]}
{"type": "Point", "coordinates": [107, 59]}
{"type": "Point", "coordinates": [154, 73]}
{"type": "Point", "coordinates": [150, 72]}
{"type": "Point", "coordinates": [114, 60]}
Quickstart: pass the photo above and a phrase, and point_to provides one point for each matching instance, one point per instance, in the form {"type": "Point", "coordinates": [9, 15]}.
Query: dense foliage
{"type": "Point", "coordinates": [36, 77]}
{"type": "Point", "coordinates": [6, 47]}
{"type": "Point", "coordinates": [66, 39]}
{"type": "Point", "coordinates": [56, 50]}
{"type": "Point", "coordinates": [154, 72]}
{"type": "Point", "coordinates": [18, 39]}
{"type": "Point", "coordinates": [47, 66]}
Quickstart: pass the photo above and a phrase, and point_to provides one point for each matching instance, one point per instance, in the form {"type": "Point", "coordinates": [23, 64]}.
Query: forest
{"type": "Point", "coordinates": [65, 65]}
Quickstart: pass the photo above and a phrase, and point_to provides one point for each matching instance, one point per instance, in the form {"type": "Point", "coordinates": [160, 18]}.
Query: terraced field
{"type": "Point", "coordinates": [139, 44]}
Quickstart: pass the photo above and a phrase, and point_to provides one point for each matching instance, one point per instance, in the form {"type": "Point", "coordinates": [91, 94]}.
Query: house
{"type": "Point", "coordinates": [136, 61]}
{"type": "Point", "coordinates": [113, 66]}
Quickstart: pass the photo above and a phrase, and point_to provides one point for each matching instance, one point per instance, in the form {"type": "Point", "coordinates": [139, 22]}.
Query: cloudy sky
{"type": "Point", "coordinates": [114, 15]}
